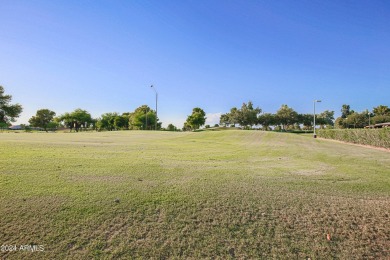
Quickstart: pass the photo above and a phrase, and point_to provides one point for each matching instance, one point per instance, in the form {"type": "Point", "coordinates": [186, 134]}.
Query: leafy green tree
{"type": "Point", "coordinates": [4, 125]}
{"type": "Point", "coordinates": [325, 118]}
{"type": "Point", "coordinates": [186, 127]}
{"type": "Point", "coordinates": [286, 116]}
{"type": "Point", "coordinates": [126, 117]}
{"type": "Point", "coordinates": [52, 125]}
{"type": "Point", "coordinates": [197, 118]}
{"type": "Point", "coordinates": [381, 111]}
{"type": "Point", "coordinates": [247, 115]}
{"type": "Point", "coordinates": [43, 118]}
{"type": "Point", "coordinates": [345, 111]}
{"type": "Point", "coordinates": [77, 119]}
{"type": "Point", "coordinates": [380, 114]}
{"type": "Point", "coordinates": [8, 112]}
{"type": "Point", "coordinates": [144, 118]}
{"type": "Point", "coordinates": [266, 120]}
{"type": "Point", "coordinates": [343, 122]}
{"type": "Point", "coordinates": [121, 122]}
{"type": "Point", "coordinates": [224, 119]}
{"type": "Point", "coordinates": [233, 116]}
{"type": "Point", "coordinates": [107, 121]}
{"type": "Point", "coordinates": [306, 120]}
{"type": "Point", "coordinates": [66, 120]}
{"type": "Point", "coordinates": [82, 117]}
{"type": "Point", "coordinates": [352, 119]}
{"type": "Point", "coordinates": [356, 120]}
{"type": "Point", "coordinates": [171, 127]}
{"type": "Point", "coordinates": [380, 119]}
{"type": "Point", "coordinates": [340, 123]}
{"type": "Point", "coordinates": [152, 120]}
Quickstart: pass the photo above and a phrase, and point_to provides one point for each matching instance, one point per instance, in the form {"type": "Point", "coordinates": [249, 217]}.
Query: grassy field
{"type": "Point", "coordinates": [221, 194]}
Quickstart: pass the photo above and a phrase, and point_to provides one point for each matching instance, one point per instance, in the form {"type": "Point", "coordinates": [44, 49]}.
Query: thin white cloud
{"type": "Point", "coordinates": [213, 118]}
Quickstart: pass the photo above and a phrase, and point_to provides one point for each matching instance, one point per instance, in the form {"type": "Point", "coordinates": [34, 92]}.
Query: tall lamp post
{"type": "Point", "coordinates": [369, 120]}
{"type": "Point", "coordinates": [155, 91]}
{"type": "Point", "coordinates": [314, 133]}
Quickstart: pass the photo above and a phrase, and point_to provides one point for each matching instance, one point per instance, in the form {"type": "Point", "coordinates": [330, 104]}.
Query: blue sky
{"type": "Point", "coordinates": [103, 56]}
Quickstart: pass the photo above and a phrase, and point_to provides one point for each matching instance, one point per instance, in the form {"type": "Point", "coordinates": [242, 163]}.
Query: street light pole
{"type": "Point", "coordinates": [155, 91]}
{"type": "Point", "coordinates": [314, 124]}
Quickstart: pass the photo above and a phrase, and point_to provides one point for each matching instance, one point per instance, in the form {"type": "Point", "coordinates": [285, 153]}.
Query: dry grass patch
{"type": "Point", "coordinates": [222, 194]}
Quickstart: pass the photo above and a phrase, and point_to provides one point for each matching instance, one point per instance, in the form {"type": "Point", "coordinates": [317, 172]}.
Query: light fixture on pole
{"type": "Point", "coordinates": [369, 119]}
{"type": "Point", "coordinates": [155, 91]}
{"type": "Point", "coordinates": [314, 124]}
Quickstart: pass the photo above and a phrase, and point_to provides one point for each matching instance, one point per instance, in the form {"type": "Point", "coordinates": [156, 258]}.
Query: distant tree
{"type": "Point", "coordinates": [325, 118]}
{"type": "Point", "coordinates": [306, 120]}
{"type": "Point", "coordinates": [340, 123]}
{"type": "Point", "coordinates": [66, 120]}
{"type": "Point", "coordinates": [58, 121]}
{"type": "Point", "coordinates": [43, 118]}
{"type": "Point", "coordinates": [126, 116]}
{"type": "Point", "coordinates": [143, 118]}
{"type": "Point", "coordinates": [134, 123]}
{"type": "Point", "coordinates": [381, 111]}
{"type": "Point", "coordinates": [107, 121]}
{"type": "Point", "coordinates": [296, 127]}
{"type": "Point", "coordinates": [171, 127]}
{"type": "Point", "coordinates": [352, 119]}
{"type": "Point", "coordinates": [356, 120]}
{"type": "Point", "coordinates": [233, 116]}
{"type": "Point", "coordinates": [82, 118]}
{"type": "Point", "coordinates": [216, 125]}
{"type": "Point", "coordinates": [121, 122]}
{"type": "Point", "coordinates": [77, 119]}
{"type": "Point", "coordinates": [207, 126]}
{"type": "Point", "coordinates": [8, 112]}
{"type": "Point", "coordinates": [380, 119]}
{"type": "Point", "coordinates": [224, 119]}
{"type": "Point", "coordinates": [266, 120]}
{"type": "Point", "coordinates": [346, 111]}
{"type": "Point", "coordinates": [286, 116]}
{"type": "Point", "coordinates": [186, 127]}
{"type": "Point", "coordinates": [152, 120]}
{"type": "Point", "coordinates": [196, 119]}
{"type": "Point", "coordinates": [381, 114]}
{"type": "Point", "coordinates": [52, 125]}
{"type": "Point", "coordinates": [247, 115]}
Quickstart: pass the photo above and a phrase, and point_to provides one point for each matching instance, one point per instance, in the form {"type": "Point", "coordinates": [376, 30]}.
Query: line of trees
{"type": "Point", "coordinates": [142, 118]}
{"type": "Point", "coordinates": [351, 119]}
{"type": "Point", "coordinates": [285, 118]}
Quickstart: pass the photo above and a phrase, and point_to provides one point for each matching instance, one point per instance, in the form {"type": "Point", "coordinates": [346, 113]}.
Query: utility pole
{"type": "Point", "coordinates": [314, 133]}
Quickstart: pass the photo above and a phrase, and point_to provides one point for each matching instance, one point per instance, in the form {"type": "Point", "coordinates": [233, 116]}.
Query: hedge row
{"type": "Point", "coordinates": [375, 137]}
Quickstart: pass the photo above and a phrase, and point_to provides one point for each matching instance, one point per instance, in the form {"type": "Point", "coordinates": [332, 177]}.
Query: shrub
{"type": "Point", "coordinates": [375, 137]}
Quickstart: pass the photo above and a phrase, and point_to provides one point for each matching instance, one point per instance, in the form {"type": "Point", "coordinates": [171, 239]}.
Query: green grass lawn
{"type": "Point", "coordinates": [211, 194]}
